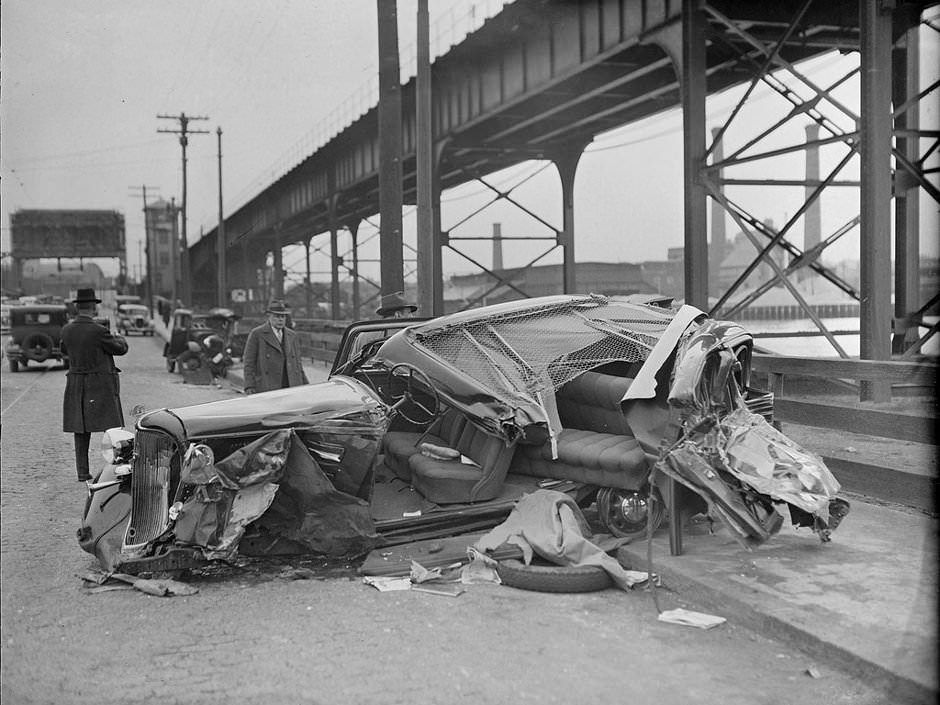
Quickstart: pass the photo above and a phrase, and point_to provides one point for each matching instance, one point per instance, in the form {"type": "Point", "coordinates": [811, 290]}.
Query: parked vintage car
{"type": "Point", "coordinates": [36, 335]}
{"type": "Point", "coordinates": [191, 327]}
{"type": "Point", "coordinates": [133, 318]}
{"type": "Point", "coordinates": [434, 428]}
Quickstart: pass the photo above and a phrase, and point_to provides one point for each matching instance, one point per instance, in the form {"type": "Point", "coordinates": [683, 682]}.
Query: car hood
{"type": "Point", "coordinates": [307, 405]}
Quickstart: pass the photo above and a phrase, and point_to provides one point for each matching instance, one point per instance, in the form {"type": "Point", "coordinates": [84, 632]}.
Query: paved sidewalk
{"type": "Point", "coordinates": [866, 601]}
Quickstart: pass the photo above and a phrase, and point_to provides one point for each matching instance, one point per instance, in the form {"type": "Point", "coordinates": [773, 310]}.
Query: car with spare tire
{"type": "Point", "coordinates": [36, 335]}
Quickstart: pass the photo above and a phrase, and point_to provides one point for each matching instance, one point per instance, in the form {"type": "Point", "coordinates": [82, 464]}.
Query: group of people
{"type": "Point", "coordinates": [92, 401]}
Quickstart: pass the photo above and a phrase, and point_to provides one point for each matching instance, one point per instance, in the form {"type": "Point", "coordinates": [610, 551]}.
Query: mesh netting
{"type": "Point", "coordinates": [548, 344]}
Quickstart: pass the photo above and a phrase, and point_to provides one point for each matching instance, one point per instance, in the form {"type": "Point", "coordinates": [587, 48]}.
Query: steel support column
{"type": "Point", "coordinates": [308, 291]}
{"type": "Point", "coordinates": [906, 78]}
{"type": "Point", "coordinates": [427, 273]}
{"type": "Point", "coordinates": [437, 246]}
{"type": "Point", "coordinates": [566, 162]}
{"type": "Point", "coordinates": [390, 166]}
{"type": "Point", "coordinates": [875, 150]}
{"type": "Point", "coordinates": [693, 88]}
{"type": "Point", "coordinates": [334, 260]}
{"type": "Point", "coordinates": [353, 228]}
{"type": "Point", "coordinates": [277, 273]}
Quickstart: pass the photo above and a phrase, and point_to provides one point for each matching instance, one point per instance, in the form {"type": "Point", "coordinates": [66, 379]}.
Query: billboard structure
{"type": "Point", "coordinates": [66, 234]}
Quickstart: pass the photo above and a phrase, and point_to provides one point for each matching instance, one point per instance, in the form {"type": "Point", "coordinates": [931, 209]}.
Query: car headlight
{"type": "Point", "coordinates": [117, 446]}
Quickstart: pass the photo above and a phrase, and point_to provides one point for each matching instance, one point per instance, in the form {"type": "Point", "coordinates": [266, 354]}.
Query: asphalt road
{"type": "Point", "coordinates": [256, 634]}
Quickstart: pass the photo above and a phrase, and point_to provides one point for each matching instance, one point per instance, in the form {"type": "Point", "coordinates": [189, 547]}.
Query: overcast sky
{"type": "Point", "coordinates": [83, 83]}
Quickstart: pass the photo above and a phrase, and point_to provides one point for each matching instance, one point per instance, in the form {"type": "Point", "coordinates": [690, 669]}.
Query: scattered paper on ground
{"type": "Point", "coordinates": [387, 584]}
{"type": "Point", "coordinates": [689, 618]}
{"type": "Point", "coordinates": [446, 589]}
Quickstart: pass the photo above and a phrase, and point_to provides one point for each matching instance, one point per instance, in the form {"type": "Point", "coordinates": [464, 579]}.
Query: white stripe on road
{"type": "Point", "coordinates": [23, 393]}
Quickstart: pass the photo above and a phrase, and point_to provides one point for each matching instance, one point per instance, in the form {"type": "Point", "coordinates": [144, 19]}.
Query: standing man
{"type": "Point", "coordinates": [272, 354]}
{"type": "Point", "coordinates": [92, 389]}
{"type": "Point", "coordinates": [395, 306]}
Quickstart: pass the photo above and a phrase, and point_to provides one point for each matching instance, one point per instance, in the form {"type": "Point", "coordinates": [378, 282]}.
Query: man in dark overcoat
{"type": "Point", "coordinates": [272, 353]}
{"type": "Point", "coordinates": [92, 389]}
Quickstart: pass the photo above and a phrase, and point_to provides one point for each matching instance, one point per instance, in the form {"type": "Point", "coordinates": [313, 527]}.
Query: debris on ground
{"type": "Point", "coordinates": [160, 588]}
{"type": "Point", "coordinates": [689, 618]}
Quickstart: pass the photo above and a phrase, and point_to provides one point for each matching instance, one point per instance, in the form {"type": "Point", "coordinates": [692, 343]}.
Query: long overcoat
{"type": "Point", "coordinates": [92, 388]}
{"type": "Point", "coordinates": [264, 359]}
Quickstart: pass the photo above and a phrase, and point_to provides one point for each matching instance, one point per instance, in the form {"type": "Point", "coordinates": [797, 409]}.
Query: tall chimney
{"type": "Point", "coordinates": [812, 220]}
{"type": "Point", "coordinates": [718, 249]}
{"type": "Point", "coordinates": [497, 247]}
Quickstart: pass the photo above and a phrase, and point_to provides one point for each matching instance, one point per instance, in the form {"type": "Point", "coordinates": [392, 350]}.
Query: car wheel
{"type": "Point", "coordinates": [170, 364]}
{"type": "Point", "coordinates": [65, 363]}
{"type": "Point", "coordinates": [628, 513]}
{"type": "Point", "coordinates": [553, 578]}
{"type": "Point", "coordinates": [38, 347]}
{"type": "Point", "coordinates": [14, 365]}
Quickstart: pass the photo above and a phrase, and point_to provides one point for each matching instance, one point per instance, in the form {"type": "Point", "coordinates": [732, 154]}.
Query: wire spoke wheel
{"type": "Point", "coordinates": [625, 513]}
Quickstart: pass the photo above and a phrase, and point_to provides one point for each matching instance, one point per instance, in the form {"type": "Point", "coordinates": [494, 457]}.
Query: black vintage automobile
{"type": "Point", "coordinates": [36, 334]}
{"type": "Point", "coordinates": [189, 328]}
{"type": "Point", "coordinates": [435, 428]}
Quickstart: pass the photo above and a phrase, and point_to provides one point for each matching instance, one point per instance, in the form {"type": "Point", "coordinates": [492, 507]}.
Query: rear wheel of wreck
{"type": "Point", "coordinates": [553, 578]}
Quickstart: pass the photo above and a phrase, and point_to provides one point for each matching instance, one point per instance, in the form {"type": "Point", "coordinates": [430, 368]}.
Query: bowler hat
{"type": "Point", "coordinates": [394, 302]}
{"type": "Point", "coordinates": [277, 306]}
{"type": "Point", "coordinates": [86, 296]}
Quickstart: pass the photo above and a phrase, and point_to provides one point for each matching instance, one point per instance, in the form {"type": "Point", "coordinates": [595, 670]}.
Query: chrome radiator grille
{"type": "Point", "coordinates": [150, 488]}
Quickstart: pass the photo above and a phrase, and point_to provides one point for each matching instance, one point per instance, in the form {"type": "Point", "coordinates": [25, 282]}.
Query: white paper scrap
{"type": "Point", "coordinates": [387, 584]}
{"type": "Point", "coordinates": [689, 618]}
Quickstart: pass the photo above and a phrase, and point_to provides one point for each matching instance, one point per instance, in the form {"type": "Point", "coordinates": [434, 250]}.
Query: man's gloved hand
{"type": "Point", "coordinates": [249, 390]}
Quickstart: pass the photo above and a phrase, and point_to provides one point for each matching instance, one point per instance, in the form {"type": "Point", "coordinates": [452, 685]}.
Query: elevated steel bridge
{"type": "Point", "coordinates": [542, 78]}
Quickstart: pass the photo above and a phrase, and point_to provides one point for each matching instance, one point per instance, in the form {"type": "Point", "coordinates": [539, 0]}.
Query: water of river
{"type": "Point", "coordinates": [817, 346]}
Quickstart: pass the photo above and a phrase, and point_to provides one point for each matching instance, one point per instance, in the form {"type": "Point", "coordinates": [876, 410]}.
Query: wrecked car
{"type": "Point", "coordinates": [437, 428]}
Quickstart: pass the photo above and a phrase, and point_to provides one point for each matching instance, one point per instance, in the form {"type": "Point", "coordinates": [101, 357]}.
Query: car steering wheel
{"type": "Point", "coordinates": [409, 375]}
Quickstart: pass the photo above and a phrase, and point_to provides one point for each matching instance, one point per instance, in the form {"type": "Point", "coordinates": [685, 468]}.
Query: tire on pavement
{"type": "Point", "coordinates": [553, 578]}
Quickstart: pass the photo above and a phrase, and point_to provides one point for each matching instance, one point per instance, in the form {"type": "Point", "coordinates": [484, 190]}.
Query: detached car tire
{"type": "Point", "coordinates": [553, 578]}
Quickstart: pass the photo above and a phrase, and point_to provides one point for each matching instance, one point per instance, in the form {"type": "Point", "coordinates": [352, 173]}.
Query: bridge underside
{"type": "Point", "coordinates": [542, 78]}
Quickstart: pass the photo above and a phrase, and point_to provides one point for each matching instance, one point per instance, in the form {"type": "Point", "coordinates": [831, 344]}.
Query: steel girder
{"type": "Point", "coordinates": [863, 137]}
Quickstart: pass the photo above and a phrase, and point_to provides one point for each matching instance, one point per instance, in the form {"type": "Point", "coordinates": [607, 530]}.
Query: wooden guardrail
{"type": "Point", "coordinates": [896, 372]}
{"type": "Point", "coordinates": [893, 484]}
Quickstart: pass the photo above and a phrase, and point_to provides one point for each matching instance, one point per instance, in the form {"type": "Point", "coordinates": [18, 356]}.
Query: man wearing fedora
{"type": "Point", "coordinates": [272, 353]}
{"type": "Point", "coordinates": [395, 306]}
{"type": "Point", "coordinates": [92, 387]}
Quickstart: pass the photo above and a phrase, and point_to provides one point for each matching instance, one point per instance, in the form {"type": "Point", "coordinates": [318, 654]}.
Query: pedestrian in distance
{"type": "Point", "coordinates": [272, 353]}
{"type": "Point", "coordinates": [395, 306]}
{"type": "Point", "coordinates": [92, 399]}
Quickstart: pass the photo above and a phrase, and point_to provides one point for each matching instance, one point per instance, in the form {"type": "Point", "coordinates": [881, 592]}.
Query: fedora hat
{"type": "Point", "coordinates": [394, 302]}
{"type": "Point", "coordinates": [86, 296]}
{"type": "Point", "coordinates": [277, 306]}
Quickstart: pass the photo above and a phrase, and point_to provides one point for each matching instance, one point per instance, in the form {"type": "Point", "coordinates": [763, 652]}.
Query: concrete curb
{"type": "Point", "coordinates": [866, 606]}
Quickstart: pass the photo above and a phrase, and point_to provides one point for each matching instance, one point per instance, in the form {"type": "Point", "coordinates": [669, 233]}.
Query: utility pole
{"type": "Point", "coordinates": [220, 232]}
{"type": "Point", "coordinates": [184, 132]}
{"type": "Point", "coordinates": [148, 289]}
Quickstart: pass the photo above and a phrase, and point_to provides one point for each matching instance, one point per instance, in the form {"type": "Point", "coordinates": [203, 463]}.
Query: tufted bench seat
{"type": "Point", "coordinates": [399, 446]}
{"type": "Point", "coordinates": [596, 445]}
{"type": "Point", "coordinates": [450, 481]}
{"type": "Point", "coordinates": [476, 477]}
